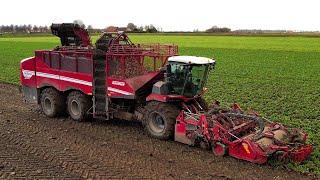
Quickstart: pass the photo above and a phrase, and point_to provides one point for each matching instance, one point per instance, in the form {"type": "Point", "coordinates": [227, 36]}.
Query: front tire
{"type": "Point", "coordinates": [160, 119]}
{"type": "Point", "coordinates": [52, 102]}
{"type": "Point", "coordinates": [78, 106]}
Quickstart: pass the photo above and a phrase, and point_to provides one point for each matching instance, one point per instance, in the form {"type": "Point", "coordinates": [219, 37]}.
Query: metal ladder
{"type": "Point", "coordinates": [100, 97]}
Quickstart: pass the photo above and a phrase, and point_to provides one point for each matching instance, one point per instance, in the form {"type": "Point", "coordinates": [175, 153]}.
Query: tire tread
{"type": "Point", "coordinates": [57, 99]}
{"type": "Point", "coordinates": [169, 111]}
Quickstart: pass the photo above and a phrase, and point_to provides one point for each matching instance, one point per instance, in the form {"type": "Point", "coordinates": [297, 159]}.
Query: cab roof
{"type": "Point", "coordinates": [191, 60]}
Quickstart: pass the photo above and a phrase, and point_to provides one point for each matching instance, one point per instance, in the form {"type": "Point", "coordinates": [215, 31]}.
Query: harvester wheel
{"type": "Point", "coordinates": [78, 106]}
{"type": "Point", "coordinates": [160, 119]}
{"type": "Point", "coordinates": [52, 102]}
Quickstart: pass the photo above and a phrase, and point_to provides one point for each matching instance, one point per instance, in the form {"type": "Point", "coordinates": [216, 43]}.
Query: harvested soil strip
{"type": "Point", "coordinates": [34, 146]}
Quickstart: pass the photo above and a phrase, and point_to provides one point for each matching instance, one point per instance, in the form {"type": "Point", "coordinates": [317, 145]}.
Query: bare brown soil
{"type": "Point", "coordinates": [36, 147]}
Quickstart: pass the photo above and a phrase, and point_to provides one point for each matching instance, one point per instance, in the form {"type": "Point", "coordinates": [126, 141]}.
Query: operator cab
{"type": "Point", "coordinates": [185, 76]}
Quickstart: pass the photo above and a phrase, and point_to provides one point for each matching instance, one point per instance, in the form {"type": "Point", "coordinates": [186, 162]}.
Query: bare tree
{"type": "Point", "coordinates": [90, 28]}
{"type": "Point", "coordinates": [132, 27]}
{"type": "Point", "coordinates": [80, 23]}
{"type": "Point", "coordinates": [216, 29]}
{"type": "Point", "coordinates": [150, 28]}
{"type": "Point", "coordinates": [35, 28]}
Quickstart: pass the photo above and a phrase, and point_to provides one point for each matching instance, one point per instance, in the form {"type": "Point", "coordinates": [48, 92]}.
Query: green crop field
{"type": "Point", "coordinates": [277, 76]}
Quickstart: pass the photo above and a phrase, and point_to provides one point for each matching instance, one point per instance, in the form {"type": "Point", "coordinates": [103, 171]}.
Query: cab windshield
{"type": "Point", "coordinates": [188, 79]}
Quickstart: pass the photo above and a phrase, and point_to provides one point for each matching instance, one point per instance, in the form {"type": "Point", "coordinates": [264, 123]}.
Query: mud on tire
{"type": "Point", "coordinates": [160, 119]}
{"type": "Point", "coordinates": [78, 106]}
{"type": "Point", "coordinates": [52, 102]}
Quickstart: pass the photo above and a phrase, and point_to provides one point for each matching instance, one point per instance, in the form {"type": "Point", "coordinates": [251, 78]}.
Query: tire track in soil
{"type": "Point", "coordinates": [113, 149]}
{"type": "Point", "coordinates": [16, 162]}
{"type": "Point", "coordinates": [86, 149]}
{"type": "Point", "coordinates": [50, 149]}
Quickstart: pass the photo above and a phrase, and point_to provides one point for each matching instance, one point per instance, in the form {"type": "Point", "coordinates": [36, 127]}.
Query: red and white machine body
{"type": "Point", "coordinates": [132, 70]}
{"type": "Point", "coordinates": [242, 135]}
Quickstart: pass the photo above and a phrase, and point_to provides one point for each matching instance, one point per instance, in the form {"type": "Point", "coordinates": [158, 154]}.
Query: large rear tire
{"type": "Point", "coordinates": [78, 106]}
{"type": "Point", "coordinates": [160, 119]}
{"type": "Point", "coordinates": [52, 102]}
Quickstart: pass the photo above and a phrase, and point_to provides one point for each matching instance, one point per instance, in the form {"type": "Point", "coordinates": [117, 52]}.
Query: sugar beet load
{"type": "Point", "coordinates": [117, 79]}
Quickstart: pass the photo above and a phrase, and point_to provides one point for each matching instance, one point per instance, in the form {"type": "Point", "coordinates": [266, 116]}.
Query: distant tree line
{"type": "Point", "coordinates": [148, 28]}
{"type": "Point", "coordinates": [152, 29]}
{"type": "Point", "coordinates": [131, 27]}
{"type": "Point", "coordinates": [260, 31]}
{"type": "Point", "coordinates": [216, 29]}
{"type": "Point", "coordinates": [23, 29]}
{"type": "Point", "coordinates": [46, 29]}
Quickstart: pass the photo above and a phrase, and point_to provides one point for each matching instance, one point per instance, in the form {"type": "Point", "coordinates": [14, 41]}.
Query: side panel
{"type": "Point", "coordinates": [46, 76]}
{"type": "Point", "coordinates": [28, 80]}
{"type": "Point", "coordinates": [27, 72]}
{"type": "Point", "coordinates": [74, 80]}
{"type": "Point", "coordinates": [75, 71]}
{"type": "Point", "coordinates": [118, 88]}
{"type": "Point", "coordinates": [63, 71]}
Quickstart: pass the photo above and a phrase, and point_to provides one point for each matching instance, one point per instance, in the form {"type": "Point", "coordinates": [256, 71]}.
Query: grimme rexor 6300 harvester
{"type": "Point", "coordinates": [117, 79]}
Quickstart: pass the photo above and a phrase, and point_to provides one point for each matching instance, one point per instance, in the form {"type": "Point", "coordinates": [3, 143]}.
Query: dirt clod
{"type": "Point", "coordinates": [53, 138]}
{"type": "Point", "coordinates": [104, 144]}
{"type": "Point", "coordinates": [39, 171]}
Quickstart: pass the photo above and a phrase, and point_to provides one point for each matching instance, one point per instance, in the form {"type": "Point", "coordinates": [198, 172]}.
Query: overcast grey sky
{"type": "Point", "coordinates": [170, 15]}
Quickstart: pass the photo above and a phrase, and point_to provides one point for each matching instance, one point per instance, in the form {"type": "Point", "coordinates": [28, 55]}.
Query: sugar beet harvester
{"type": "Point", "coordinates": [116, 79]}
